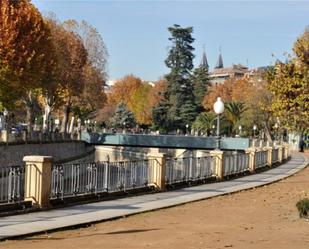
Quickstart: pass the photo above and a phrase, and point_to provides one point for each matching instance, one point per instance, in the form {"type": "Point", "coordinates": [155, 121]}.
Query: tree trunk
{"type": "Point", "coordinates": [267, 131]}
{"type": "Point", "coordinates": [66, 112]}
{"type": "Point", "coordinates": [47, 111]}
{"type": "Point", "coordinates": [29, 103]}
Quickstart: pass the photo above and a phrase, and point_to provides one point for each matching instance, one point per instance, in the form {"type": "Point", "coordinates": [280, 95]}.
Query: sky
{"type": "Point", "coordinates": [253, 33]}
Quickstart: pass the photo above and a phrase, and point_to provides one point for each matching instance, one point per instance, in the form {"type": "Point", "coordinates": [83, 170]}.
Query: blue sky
{"type": "Point", "coordinates": [136, 36]}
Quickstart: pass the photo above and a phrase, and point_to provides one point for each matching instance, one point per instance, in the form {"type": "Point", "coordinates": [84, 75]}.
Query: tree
{"type": "Point", "coordinates": [178, 105]}
{"type": "Point", "coordinates": [123, 118]}
{"type": "Point", "coordinates": [71, 58]}
{"type": "Point", "coordinates": [233, 114]}
{"type": "Point", "coordinates": [124, 89]}
{"type": "Point", "coordinates": [24, 50]}
{"type": "Point", "coordinates": [204, 122]}
{"type": "Point", "coordinates": [141, 106]}
{"type": "Point", "coordinates": [93, 97]}
{"type": "Point", "coordinates": [290, 87]}
{"type": "Point", "coordinates": [200, 79]}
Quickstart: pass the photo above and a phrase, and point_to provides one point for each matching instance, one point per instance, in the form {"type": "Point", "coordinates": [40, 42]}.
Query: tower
{"type": "Point", "coordinates": [220, 60]}
{"type": "Point", "coordinates": [204, 62]}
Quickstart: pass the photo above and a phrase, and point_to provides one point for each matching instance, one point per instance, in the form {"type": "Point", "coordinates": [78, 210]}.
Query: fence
{"type": "Point", "coordinates": [40, 180]}
{"type": "Point", "coordinates": [84, 178]}
{"type": "Point", "coordinates": [275, 155]}
{"type": "Point", "coordinates": [189, 169]}
{"type": "Point", "coordinates": [235, 164]}
{"type": "Point", "coordinates": [261, 159]}
{"type": "Point", "coordinates": [11, 184]}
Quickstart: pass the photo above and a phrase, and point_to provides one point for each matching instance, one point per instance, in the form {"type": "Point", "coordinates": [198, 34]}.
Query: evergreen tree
{"type": "Point", "coordinates": [200, 79]}
{"type": "Point", "coordinates": [123, 118]}
{"type": "Point", "coordinates": [178, 107]}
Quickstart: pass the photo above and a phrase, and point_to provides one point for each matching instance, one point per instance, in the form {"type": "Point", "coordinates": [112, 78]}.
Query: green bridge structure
{"type": "Point", "coordinates": [165, 141]}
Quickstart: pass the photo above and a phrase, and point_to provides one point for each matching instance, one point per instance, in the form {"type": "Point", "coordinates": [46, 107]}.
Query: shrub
{"type": "Point", "coordinates": [303, 208]}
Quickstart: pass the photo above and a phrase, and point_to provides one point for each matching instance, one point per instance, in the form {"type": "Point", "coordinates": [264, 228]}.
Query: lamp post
{"type": "Point", "coordinates": [218, 108]}
{"type": "Point", "coordinates": [187, 126]}
{"type": "Point", "coordinates": [254, 129]}
{"type": "Point", "coordinates": [276, 131]}
{"type": "Point", "coordinates": [5, 114]}
{"type": "Point", "coordinates": [6, 128]}
{"type": "Point", "coordinates": [124, 127]}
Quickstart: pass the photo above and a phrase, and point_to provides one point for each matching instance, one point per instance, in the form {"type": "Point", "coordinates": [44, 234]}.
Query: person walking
{"type": "Point", "coordinates": [301, 145]}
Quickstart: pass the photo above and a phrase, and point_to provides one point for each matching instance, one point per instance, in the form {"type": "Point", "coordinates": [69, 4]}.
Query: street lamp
{"type": "Point", "coordinates": [254, 129]}
{"type": "Point", "coordinates": [276, 129]}
{"type": "Point", "coordinates": [5, 114]}
{"type": "Point", "coordinates": [218, 108]}
{"type": "Point", "coordinates": [187, 126]}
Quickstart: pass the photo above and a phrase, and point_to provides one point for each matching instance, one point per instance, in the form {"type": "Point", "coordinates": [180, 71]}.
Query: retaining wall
{"type": "Point", "coordinates": [13, 154]}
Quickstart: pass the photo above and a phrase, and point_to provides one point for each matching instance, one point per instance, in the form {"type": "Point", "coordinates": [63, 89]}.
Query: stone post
{"type": "Point", "coordinates": [251, 152]}
{"type": "Point", "coordinates": [280, 153]}
{"type": "Point", "coordinates": [159, 173]}
{"type": "Point", "coordinates": [269, 155]}
{"type": "Point", "coordinates": [218, 160]}
{"type": "Point", "coordinates": [38, 173]}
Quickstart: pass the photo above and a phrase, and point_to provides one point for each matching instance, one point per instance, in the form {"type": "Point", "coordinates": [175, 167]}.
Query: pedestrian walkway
{"type": "Point", "coordinates": [27, 224]}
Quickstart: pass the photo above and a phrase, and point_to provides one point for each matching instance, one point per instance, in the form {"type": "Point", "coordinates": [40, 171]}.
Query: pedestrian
{"type": "Point", "coordinates": [301, 145]}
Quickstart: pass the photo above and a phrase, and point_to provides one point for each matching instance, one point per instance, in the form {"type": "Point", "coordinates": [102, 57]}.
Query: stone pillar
{"type": "Point", "coordinates": [251, 152]}
{"type": "Point", "coordinates": [280, 153]}
{"type": "Point", "coordinates": [218, 160]}
{"type": "Point", "coordinates": [269, 155]}
{"type": "Point", "coordinates": [160, 171]}
{"type": "Point", "coordinates": [38, 173]}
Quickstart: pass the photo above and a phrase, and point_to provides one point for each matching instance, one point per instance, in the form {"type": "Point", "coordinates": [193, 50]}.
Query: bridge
{"type": "Point", "coordinates": [164, 141]}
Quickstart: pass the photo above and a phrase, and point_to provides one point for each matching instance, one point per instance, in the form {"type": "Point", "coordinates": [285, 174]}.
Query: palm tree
{"type": "Point", "coordinates": [233, 114]}
{"type": "Point", "coordinates": [204, 122]}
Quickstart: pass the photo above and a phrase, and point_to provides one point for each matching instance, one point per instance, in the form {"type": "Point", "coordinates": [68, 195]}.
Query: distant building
{"type": "Point", "coordinates": [221, 73]}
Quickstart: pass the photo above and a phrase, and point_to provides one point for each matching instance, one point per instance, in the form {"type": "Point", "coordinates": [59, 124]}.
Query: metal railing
{"type": "Point", "coordinates": [275, 155]}
{"type": "Point", "coordinates": [261, 159]}
{"type": "Point", "coordinates": [235, 164]}
{"type": "Point", "coordinates": [189, 169]}
{"type": "Point", "coordinates": [85, 178]}
{"type": "Point", "coordinates": [11, 184]}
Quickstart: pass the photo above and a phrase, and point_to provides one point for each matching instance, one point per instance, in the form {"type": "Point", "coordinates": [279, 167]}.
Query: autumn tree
{"type": "Point", "coordinates": [290, 87]}
{"type": "Point", "coordinates": [124, 89]}
{"type": "Point", "coordinates": [92, 97]}
{"type": "Point", "coordinates": [24, 48]}
{"type": "Point", "coordinates": [71, 59]}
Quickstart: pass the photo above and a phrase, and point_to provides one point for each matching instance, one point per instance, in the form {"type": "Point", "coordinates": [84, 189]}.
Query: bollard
{"type": "Point", "coordinates": [38, 174]}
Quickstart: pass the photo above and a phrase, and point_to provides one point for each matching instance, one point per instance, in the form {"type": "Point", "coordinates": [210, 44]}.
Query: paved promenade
{"type": "Point", "coordinates": [26, 224]}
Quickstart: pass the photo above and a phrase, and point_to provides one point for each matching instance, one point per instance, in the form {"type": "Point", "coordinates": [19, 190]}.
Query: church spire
{"type": "Point", "coordinates": [220, 60]}
{"type": "Point", "coordinates": [204, 62]}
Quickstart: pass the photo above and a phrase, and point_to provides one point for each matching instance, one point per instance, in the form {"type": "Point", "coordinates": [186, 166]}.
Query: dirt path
{"type": "Point", "coordinates": [265, 217]}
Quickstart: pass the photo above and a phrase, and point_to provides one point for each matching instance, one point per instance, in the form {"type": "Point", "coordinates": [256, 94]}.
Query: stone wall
{"type": "Point", "coordinates": [13, 154]}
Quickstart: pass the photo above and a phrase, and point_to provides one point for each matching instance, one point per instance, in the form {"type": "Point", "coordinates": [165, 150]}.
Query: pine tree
{"type": "Point", "coordinates": [200, 79]}
{"type": "Point", "coordinates": [180, 107]}
{"type": "Point", "coordinates": [123, 117]}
